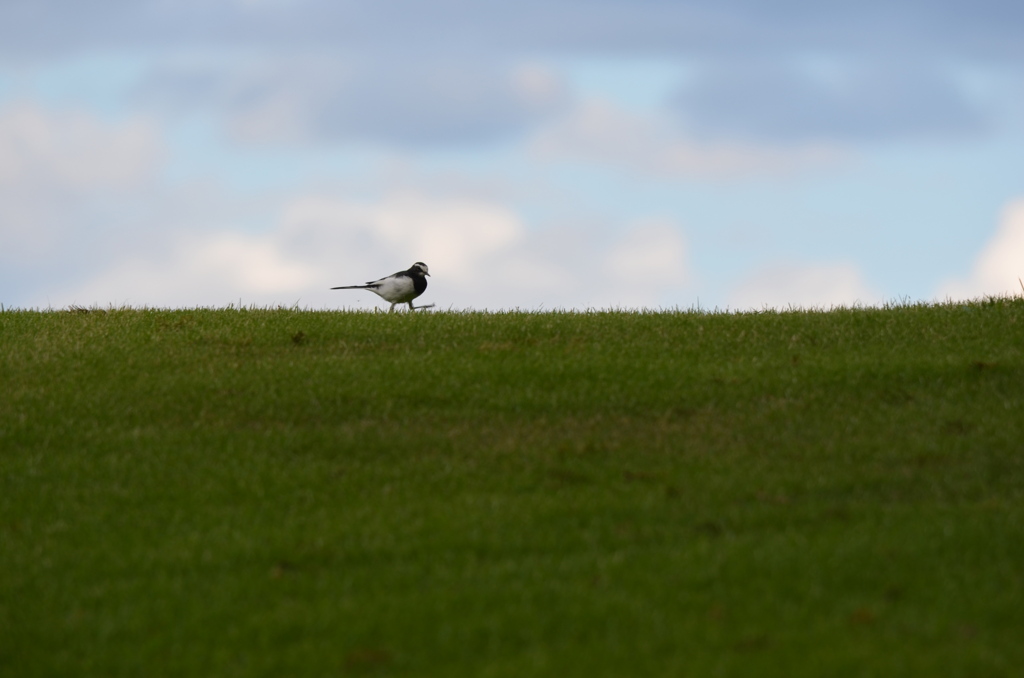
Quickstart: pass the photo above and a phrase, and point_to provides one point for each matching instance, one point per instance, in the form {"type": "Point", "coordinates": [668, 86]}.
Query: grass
{"type": "Point", "coordinates": [251, 492]}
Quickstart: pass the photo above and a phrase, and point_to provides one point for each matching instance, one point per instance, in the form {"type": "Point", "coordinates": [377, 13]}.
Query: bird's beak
{"type": "Point", "coordinates": [427, 274]}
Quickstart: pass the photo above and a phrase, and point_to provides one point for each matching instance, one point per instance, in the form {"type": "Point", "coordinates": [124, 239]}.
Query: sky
{"type": "Point", "coordinates": [563, 154]}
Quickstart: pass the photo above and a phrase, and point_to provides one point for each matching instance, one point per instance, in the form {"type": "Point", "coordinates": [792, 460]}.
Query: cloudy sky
{"type": "Point", "coordinates": [558, 154]}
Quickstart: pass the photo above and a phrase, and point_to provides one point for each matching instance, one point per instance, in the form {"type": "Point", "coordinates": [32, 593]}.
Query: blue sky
{"type": "Point", "coordinates": [563, 154]}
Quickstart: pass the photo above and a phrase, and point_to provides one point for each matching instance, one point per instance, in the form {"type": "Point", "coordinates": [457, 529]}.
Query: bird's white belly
{"type": "Point", "coordinates": [397, 290]}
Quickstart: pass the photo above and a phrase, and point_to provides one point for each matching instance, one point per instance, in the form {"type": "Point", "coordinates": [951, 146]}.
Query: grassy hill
{"type": "Point", "coordinates": [281, 492]}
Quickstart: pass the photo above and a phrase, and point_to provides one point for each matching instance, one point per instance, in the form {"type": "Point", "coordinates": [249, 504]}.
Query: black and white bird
{"type": "Point", "coordinates": [398, 288]}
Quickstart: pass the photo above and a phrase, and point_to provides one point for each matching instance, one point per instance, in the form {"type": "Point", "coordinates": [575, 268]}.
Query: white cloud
{"type": "Point", "coordinates": [57, 166]}
{"type": "Point", "coordinates": [73, 150]}
{"type": "Point", "coordinates": [803, 286]}
{"type": "Point", "coordinates": [999, 268]}
{"type": "Point", "coordinates": [201, 270]}
{"type": "Point", "coordinates": [600, 132]}
{"type": "Point", "coordinates": [648, 263]}
{"type": "Point", "coordinates": [480, 253]}
{"type": "Point", "coordinates": [453, 235]}
{"type": "Point", "coordinates": [652, 252]}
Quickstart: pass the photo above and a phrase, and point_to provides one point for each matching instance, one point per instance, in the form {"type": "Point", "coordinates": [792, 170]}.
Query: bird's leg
{"type": "Point", "coordinates": [392, 309]}
{"type": "Point", "coordinates": [411, 307]}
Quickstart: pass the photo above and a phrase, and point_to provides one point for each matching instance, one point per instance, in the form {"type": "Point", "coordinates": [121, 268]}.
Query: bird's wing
{"type": "Point", "coordinates": [396, 283]}
{"type": "Point", "coordinates": [382, 281]}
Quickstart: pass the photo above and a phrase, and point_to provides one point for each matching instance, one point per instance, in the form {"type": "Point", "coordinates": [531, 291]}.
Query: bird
{"type": "Point", "coordinates": [398, 288]}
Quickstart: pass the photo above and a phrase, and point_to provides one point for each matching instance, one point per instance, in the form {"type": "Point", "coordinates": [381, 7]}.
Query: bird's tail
{"type": "Point", "coordinates": [353, 287]}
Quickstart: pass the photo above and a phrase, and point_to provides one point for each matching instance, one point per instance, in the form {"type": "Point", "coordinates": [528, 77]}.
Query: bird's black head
{"type": "Point", "coordinates": [419, 268]}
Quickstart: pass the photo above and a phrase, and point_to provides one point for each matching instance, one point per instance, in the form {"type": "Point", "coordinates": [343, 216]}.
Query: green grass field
{"type": "Point", "coordinates": [297, 493]}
